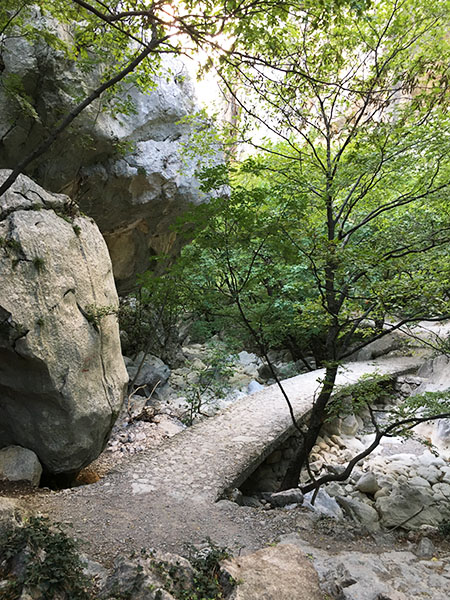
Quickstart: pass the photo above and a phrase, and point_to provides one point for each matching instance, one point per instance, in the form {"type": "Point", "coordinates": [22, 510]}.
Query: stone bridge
{"type": "Point", "coordinates": [223, 451]}
{"type": "Point", "coordinates": [167, 496]}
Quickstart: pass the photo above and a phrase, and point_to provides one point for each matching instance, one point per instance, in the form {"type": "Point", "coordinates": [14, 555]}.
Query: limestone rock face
{"type": "Point", "coordinates": [128, 172]}
{"type": "Point", "coordinates": [62, 375]}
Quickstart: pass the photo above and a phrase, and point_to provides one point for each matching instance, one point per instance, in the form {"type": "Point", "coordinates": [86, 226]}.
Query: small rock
{"type": "Point", "coordinates": [360, 511]}
{"type": "Point", "coordinates": [152, 371]}
{"type": "Point", "coordinates": [381, 492]}
{"type": "Point", "coordinates": [441, 491]}
{"type": "Point", "coordinates": [419, 482]}
{"type": "Point", "coordinates": [368, 483]}
{"type": "Point", "coordinates": [233, 494]}
{"type": "Point", "coordinates": [247, 358]}
{"type": "Point", "coordinates": [280, 499]}
{"type": "Point", "coordinates": [334, 489]}
{"type": "Point", "coordinates": [254, 387]}
{"type": "Point", "coordinates": [425, 548]}
{"type": "Point", "coordinates": [445, 474]}
{"type": "Point", "coordinates": [430, 473]}
{"type": "Point", "coordinates": [250, 501]}
{"type": "Point", "coordinates": [316, 465]}
{"type": "Point", "coordinates": [323, 505]}
{"type": "Point", "coordinates": [349, 425]}
{"type": "Point", "coordinates": [338, 441]}
{"type": "Point", "coordinates": [20, 464]}
{"type": "Point", "coordinates": [251, 370]}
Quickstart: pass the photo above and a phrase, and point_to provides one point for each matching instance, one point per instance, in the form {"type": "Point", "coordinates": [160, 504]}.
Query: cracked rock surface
{"type": "Point", "coordinates": [62, 376]}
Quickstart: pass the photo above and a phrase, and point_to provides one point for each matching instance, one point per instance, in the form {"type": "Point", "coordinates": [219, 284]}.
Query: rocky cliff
{"type": "Point", "coordinates": [127, 171]}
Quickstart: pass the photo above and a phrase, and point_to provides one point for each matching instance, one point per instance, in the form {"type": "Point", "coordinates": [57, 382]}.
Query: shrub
{"type": "Point", "coordinates": [49, 564]}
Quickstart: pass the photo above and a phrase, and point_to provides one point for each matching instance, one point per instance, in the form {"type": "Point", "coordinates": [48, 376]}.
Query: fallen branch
{"type": "Point", "coordinates": [407, 520]}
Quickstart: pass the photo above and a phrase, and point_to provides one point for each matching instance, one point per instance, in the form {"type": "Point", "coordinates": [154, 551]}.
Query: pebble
{"type": "Point", "coordinates": [425, 548]}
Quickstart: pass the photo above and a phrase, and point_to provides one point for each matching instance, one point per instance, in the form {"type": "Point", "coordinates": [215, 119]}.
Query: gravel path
{"type": "Point", "coordinates": [167, 497]}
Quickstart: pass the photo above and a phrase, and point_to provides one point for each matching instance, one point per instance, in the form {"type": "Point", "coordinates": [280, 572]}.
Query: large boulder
{"type": "Point", "coordinates": [62, 376]}
{"type": "Point", "coordinates": [360, 512]}
{"type": "Point", "coordinates": [148, 372]}
{"type": "Point", "coordinates": [129, 172]}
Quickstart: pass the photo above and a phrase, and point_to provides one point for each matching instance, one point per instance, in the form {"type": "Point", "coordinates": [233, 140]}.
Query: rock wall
{"type": "Point", "coordinates": [128, 172]}
{"type": "Point", "coordinates": [62, 376]}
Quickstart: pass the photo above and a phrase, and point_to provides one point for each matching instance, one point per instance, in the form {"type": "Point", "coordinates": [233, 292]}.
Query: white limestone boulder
{"type": "Point", "coordinates": [62, 376]}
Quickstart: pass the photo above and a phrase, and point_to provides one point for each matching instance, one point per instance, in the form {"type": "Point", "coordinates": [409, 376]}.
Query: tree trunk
{"type": "Point", "coordinates": [316, 420]}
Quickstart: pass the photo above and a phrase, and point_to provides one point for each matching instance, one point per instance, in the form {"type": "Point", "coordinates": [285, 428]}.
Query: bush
{"type": "Point", "coordinates": [444, 528]}
{"type": "Point", "coordinates": [212, 381]}
{"type": "Point", "coordinates": [41, 558]}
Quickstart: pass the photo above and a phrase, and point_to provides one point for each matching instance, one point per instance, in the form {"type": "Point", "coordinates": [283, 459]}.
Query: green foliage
{"type": "Point", "coordinates": [263, 245]}
{"type": "Point", "coordinates": [50, 563]}
{"type": "Point", "coordinates": [209, 382]}
{"type": "Point", "coordinates": [339, 226]}
{"type": "Point", "coordinates": [15, 90]}
{"type": "Point", "coordinates": [10, 244]}
{"type": "Point", "coordinates": [370, 390]}
{"type": "Point", "coordinates": [205, 583]}
{"type": "Point", "coordinates": [444, 528]}
{"type": "Point", "coordinates": [203, 141]}
{"type": "Point", "coordinates": [94, 313]}
{"type": "Point", "coordinates": [150, 317]}
{"type": "Point", "coordinates": [38, 263]}
{"type": "Point", "coordinates": [420, 407]}
{"type": "Point", "coordinates": [207, 580]}
{"type": "Point", "coordinates": [68, 211]}
{"type": "Point", "coordinates": [108, 34]}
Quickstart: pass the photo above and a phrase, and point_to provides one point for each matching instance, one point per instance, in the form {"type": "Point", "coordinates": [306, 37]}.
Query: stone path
{"type": "Point", "coordinates": [167, 496]}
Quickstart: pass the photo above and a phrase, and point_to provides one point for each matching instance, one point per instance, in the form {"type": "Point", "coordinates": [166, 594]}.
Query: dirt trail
{"type": "Point", "coordinates": [167, 497]}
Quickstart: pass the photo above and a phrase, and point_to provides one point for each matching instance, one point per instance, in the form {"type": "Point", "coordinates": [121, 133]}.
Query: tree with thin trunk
{"type": "Point", "coordinates": [336, 229]}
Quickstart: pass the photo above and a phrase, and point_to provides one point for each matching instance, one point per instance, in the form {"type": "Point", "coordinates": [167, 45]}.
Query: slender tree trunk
{"type": "Point", "coordinates": [315, 423]}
